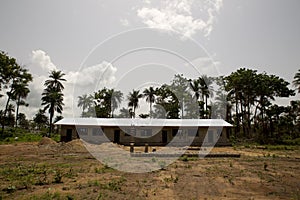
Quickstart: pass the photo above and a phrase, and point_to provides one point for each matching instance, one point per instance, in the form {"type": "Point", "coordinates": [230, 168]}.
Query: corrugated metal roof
{"type": "Point", "coordinates": [143, 122]}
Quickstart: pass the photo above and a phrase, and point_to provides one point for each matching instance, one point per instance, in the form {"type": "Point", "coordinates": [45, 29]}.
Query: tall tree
{"type": "Point", "coordinates": [206, 90]}
{"type": "Point", "coordinates": [10, 118]}
{"type": "Point", "coordinates": [167, 104]}
{"type": "Point", "coordinates": [133, 100]}
{"type": "Point", "coordinates": [107, 101]}
{"type": "Point", "coordinates": [52, 97]}
{"type": "Point", "coordinates": [23, 122]}
{"type": "Point", "coordinates": [150, 94]}
{"type": "Point", "coordinates": [195, 87]}
{"type": "Point", "coordinates": [55, 80]}
{"type": "Point", "coordinates": [124, 113]}
{"type": "Point", "coordinates": [250, 92]}
{"type": "Point", "coordinates": [11, 75]}
{"type": "Point", "coordinates": [296, 81]}
{"type": "Point", "coordinates": [179, 87]}
{"type": "Point", "coordinates": [85, 101]}
{"type": "Point", "coordinates": [102, 103]}
{"type": "Point", "coordinates": [20, 93]}
{"type": "Point", "coordinates": [41, 119]}
{"type": "Point", "coordinates": [116, 98]}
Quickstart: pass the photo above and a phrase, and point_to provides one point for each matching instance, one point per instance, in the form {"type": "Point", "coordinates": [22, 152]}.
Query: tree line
{"type": "Point", "coordinates": [14, 84]}
{"type": "Point", "coordinates": [245, 98]}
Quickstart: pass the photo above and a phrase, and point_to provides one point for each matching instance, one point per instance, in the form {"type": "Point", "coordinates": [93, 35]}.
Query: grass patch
{"type": "Point", "coordinates": [281, 147]}
{"type": "Point", "coordinates": [186, 158]}
{"type": "Point", "coordinates": [14, 135]}
{"type": "Point", "coordinates": [114, 185]}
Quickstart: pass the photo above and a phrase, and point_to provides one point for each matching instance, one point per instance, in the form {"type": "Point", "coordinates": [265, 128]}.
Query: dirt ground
{"type": "Point", "coordinates": [48, 170]}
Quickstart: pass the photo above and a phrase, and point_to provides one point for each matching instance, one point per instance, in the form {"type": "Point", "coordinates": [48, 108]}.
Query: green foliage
{"type": "Point", "coordinates": [10, 189]}
{"type": "Point", "coordinates": [106, 102]}
{"type": "Point", "coordinates": [167, 104]}
{"type": "Point", "coordinates": [296, 81]}
{"type": "Point", "coordinates": [49, 195]}
{"type": "Point", "coordinates": [114, 185]}
{"type": "Point", "coordinates": [85, 101]}
{"type": "Point", "coordinates": [58, 176]}
{"type": "Point", "coordinates": [150, 94]}
{"type": "Point", "coordinates": [133, 100]}
{"type": "Point", "coordinates": [251, 91]}
{"type": "Point", "coordinates": [15, 80]}
{"type": "Point", "coordinates": [184, 158]}
{"type": "Point", "coordinates": [52, 97]}
{"type": "Point", "coordinates": [12, 135]}
{"type": "Point", "coordinates": [40, 119]}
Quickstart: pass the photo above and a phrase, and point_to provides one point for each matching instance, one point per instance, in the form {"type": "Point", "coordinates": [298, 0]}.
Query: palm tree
{"type": "Point", "coordinates": [116, 98]}
{"type": "Point", "coordinates": [150, 93]}
{"type": "Point", "coordinates": [195, 86]}
{"type": "Point", "coordinates": [53, 101]}
{"type": "Point", "coordinates": [52, 97]}
{"type": "Point", "coordinates": [206, 89]}
{"type": "Point", "coordinates": [85, 101]}
{"type": "Point", "coordinates": [10, 117]}
{"type": "Point", "coordinates": [40, 119]}
{"type": "Point", "coordinates": [133, 99]}
{"type": "Point", "coordinates": [55, 80]}
{"type": "Point", "coordinates": [124, 113]}
{"type": "Point", "coordinates": [296, 81]}
{"type": "Point", "coordinates": [21, 91]}
{"type": "Point", "coordinates": [224, 106]}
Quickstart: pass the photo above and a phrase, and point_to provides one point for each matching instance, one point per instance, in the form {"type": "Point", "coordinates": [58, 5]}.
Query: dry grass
{"type": "Point", "coordinates": [68, 171]}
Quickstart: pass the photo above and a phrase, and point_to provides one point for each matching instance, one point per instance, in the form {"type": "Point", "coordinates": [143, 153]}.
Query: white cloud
{"type": "Point", "coordinates": [103, 73]}
{"type": "Point", "coordinates": [178, 15]}
{"type": "Point", "coordinates": [83, 81]}
{"type": "Point", "coordinates": [40, 59]}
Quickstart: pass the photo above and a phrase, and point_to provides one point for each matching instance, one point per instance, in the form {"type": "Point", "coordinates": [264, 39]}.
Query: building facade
{"type": "Point", "coordinates": [154, 132]}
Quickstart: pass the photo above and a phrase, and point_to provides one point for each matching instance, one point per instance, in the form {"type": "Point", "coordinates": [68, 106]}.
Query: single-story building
{"type": "Point", "coordinates": [155, 132]}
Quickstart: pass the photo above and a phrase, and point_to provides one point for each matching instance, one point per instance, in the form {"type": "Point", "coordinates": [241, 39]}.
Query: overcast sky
{"type": "Point", "coordinates": [130, 44]}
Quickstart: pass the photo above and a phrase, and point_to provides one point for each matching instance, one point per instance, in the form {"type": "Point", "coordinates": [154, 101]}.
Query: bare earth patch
{"type": "Point", "coordinates": [49, 170]}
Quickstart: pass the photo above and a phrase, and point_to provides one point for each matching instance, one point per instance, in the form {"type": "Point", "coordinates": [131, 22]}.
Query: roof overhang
{"type": "Point", "coordinates": [144, 122]}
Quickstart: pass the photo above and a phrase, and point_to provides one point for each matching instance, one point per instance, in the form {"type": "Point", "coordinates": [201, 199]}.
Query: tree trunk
{"type": "Point", "coordinates": [17, 111]}
{"type": "Point", "coordinates": [5, 111]}
{"type": "Point", "coordinates": [50, 128]}
{"type": "Point", "coordinates": [206, 106]}
{"type": "Point", "coordinates": [237, 129]}
{"type": "Point", "coordinates": [181, 109]}
{"type": "Point", "coordinates": [242, 115]}
{"type": "Point", "coordinates": [150, 114]}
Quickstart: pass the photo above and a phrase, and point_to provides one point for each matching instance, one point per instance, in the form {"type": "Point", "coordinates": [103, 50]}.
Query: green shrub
{"type": "Point", "coordinates": [184, 158]}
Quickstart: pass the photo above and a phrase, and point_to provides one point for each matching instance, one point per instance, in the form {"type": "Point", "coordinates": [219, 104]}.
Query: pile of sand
{"type": "Point", "coordinates": [72, 146]}
{"type": "Point", "coordinates": [47, 141]}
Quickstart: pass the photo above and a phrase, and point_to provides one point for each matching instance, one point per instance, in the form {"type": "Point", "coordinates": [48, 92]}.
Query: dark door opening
{"type": "Point", "coordinates": [117, 136]}
{"type": "Point", "coordinates": [164, 136]}
{"type": "Point", "coordinates": [69, 135]}
{"type": "Point", "coordinates": [211, 136]}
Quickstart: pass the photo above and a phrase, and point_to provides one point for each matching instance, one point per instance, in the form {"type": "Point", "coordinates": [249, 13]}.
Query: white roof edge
{"type": "Point", "coordinates": [143, 122]}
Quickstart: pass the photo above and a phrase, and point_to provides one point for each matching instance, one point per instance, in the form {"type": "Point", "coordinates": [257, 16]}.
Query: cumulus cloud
{"type": "Point", "coordinates": [103, 73]}
{"type": "Point", "coordinates": [83, 81]}
{"type": "Point", "coordinates": [178, 15]}
{"type": "Point", "coordinates": [40, 59]}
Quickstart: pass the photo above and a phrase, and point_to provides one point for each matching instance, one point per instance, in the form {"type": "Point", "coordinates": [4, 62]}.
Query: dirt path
{"type": "Point", "coordinates": [48, 170]}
